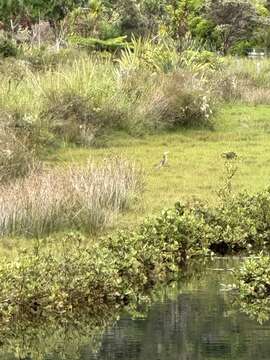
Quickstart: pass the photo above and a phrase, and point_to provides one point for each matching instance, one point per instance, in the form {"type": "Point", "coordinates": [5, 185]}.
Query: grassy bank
{"type": "Point", "coordinates": [132, 108]}
{"type": "Point", "coordinates": [195, 167]}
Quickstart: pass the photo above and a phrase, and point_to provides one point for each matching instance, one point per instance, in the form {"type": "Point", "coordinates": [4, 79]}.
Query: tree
{"type": "Point", "coordinates": [235, 20]}
{"type": "Point", "coordinates": [52, 10]}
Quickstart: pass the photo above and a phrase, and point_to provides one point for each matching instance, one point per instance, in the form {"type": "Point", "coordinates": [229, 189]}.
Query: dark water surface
{"type": "Point", "coordinates": [189, 321]}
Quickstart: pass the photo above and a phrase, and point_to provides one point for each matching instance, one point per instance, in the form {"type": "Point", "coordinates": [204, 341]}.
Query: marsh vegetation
{"type": "Point", "coordinates": [91, 98]}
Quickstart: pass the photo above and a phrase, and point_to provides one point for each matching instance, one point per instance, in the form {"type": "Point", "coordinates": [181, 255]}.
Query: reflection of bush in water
{"type": "Point", "coordinates": [64, 337]}
{"type": "Point", "coordinates": [252, 282]}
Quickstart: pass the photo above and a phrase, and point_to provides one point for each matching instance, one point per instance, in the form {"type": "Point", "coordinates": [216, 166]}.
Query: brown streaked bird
{"type": "Point", "coordinates": [230, 155]}
{"type": "Point", "coordinates": [163, 161]}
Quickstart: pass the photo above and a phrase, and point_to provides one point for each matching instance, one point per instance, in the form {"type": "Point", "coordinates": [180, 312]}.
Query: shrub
{"type": "Point", "coordinates": [252, 281]}
{"type": "Point", "coordinates": [145, 55]}
{"type": "Point", "coordinates": [7, 48]}
{"type": "Point", "coordinates": [240, 223]}
{"type": "Point", "coordinates": [178, 233]}
{"type": "Point", "coordinates": [70, 117]}
{"type": "Point", "coordinates": [78, 101]}
{"type": "Point", "coordinates": [202, 60]}
{"type": "Point", "coordinates": [86, 198]}
{"type": "Point", "coordinates": [159, 247]}
{"type": "Point", "coordinates": [136, 261]}
{"type": "Point", "coordinates": [242, 48]}
{"type": "Point", "coordinates": [78, 118]}
{"type": "Point", "coordinates": [97, 44]}
{"type": "Point", "coordinates": [180, 102]}
{"type": "Point", "coordinates": [52, 281]}
{"type": "Point", "coordinates": [98, 22]}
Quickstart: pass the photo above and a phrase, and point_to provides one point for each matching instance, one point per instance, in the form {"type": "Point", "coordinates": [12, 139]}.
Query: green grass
{"type": "Point", "coordinates": [195, 165]}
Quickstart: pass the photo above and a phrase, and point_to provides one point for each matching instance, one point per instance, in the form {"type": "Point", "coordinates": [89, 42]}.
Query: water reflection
{"type": "Point", "coordinates": [191, 321]}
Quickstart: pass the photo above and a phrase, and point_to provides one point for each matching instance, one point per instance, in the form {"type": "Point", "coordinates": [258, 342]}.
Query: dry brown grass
{"type": "Point", "coordinates": [75, 198]}
{"type": "Point", "coordinates": [16, 158]}
{"type": "Point", "coordinates": [178, 100]}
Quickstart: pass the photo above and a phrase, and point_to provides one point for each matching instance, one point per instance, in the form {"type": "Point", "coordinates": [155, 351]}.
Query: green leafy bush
{"type": "Point", "coordinates": [97, 44]}
{"type": "Point", "coordinates": [52, 281]}
{"type": "Point", "coordinates": [242, 48]}
{"type": "Point", "coordinates": [120, 268]}
{"type": "Point", "coordinates": [204, 60]}
{"type": "Point", "coordinates": [7, 48]}
{"type": "Point", "coordinates": [178, 233]}
{"type": "Point", "coordinates": [240, 223]}
{"type": "Point", "coordinates": [252, 282]}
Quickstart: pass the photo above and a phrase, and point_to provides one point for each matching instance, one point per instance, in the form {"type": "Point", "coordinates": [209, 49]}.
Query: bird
{"type": "Point", "coordinates": [230, 155]}
{"type": "Point", "coordinates": [163, 161]}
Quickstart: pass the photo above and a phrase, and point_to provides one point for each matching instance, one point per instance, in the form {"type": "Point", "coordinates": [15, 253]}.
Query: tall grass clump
{"type": "Point", "coordinates": [244, 80]}
{"type": "Point", "coordinates": [16, 159]}
{"type": "Point", "coordinates": [147, 87]}
{"type": "Point", "coordinates": [86, 198]}
{"type": "Point", "coordinates": [18, 147]}
{"type": "Point", "coordinates": [179, 100]}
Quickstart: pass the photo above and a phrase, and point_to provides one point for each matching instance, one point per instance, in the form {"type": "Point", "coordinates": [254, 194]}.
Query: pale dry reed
{"type": "Point", "coordinates": [85, 198]}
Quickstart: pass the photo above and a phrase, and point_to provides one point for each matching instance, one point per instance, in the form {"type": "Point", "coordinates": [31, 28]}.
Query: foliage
{"type": "Point", "coordinates": [178, 232]}
{"type": "Point", "coordinates": [202, 60]}
{"type": "Point", "coordinates": [239, 223]}
{"type": "Point", "coordinates": [181, 102]}
{"type": "Point", "coordinates": [97, 44]}
{"type": "Point", "coordinates": [242, 48]}
{"type": "Point", "coordinates": [28, 11]}
{"type": "Point", "coordinates": [252, 282]}
{"type": "Point", "coordinates": [119, 268]}
{"type": "Point", "coordinates": [52, 281]}
{"type": "Point", "coordinates": [97, 21]}
{"type": "Point", "coordinates": [235, 20]}
{"type": "Point", "coordinates": [7, 48]}
{"type": "Point", "coordinates": [219, 25]}
{"type": "Point", "coordinates": [59, 280]}
{"type": "Point", "coordinates": [64, 335]}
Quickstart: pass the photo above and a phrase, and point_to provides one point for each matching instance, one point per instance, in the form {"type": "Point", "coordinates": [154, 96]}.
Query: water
{"type": "Point", "coordinates": [194, 320]}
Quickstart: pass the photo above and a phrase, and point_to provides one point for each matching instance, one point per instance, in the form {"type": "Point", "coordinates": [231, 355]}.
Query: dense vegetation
{"type": "Point", "coordinates": [253, 287]}
{"type": "Point", "coordinates": [233, 26]}
{"type": "Point", "coordinates": [118, 269]}
{"type": "Point", "coordinates": [77, 76]}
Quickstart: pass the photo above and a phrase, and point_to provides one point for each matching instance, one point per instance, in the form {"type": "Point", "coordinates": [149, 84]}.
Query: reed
{"type": "Point", "coordinates": [86, 198]}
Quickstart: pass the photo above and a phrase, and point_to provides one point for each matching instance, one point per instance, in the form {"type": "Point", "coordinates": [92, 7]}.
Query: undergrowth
{"type": "Point", "coordinates": [252, 283]}
{"type": "Point", "coordinates": [117, 270]}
